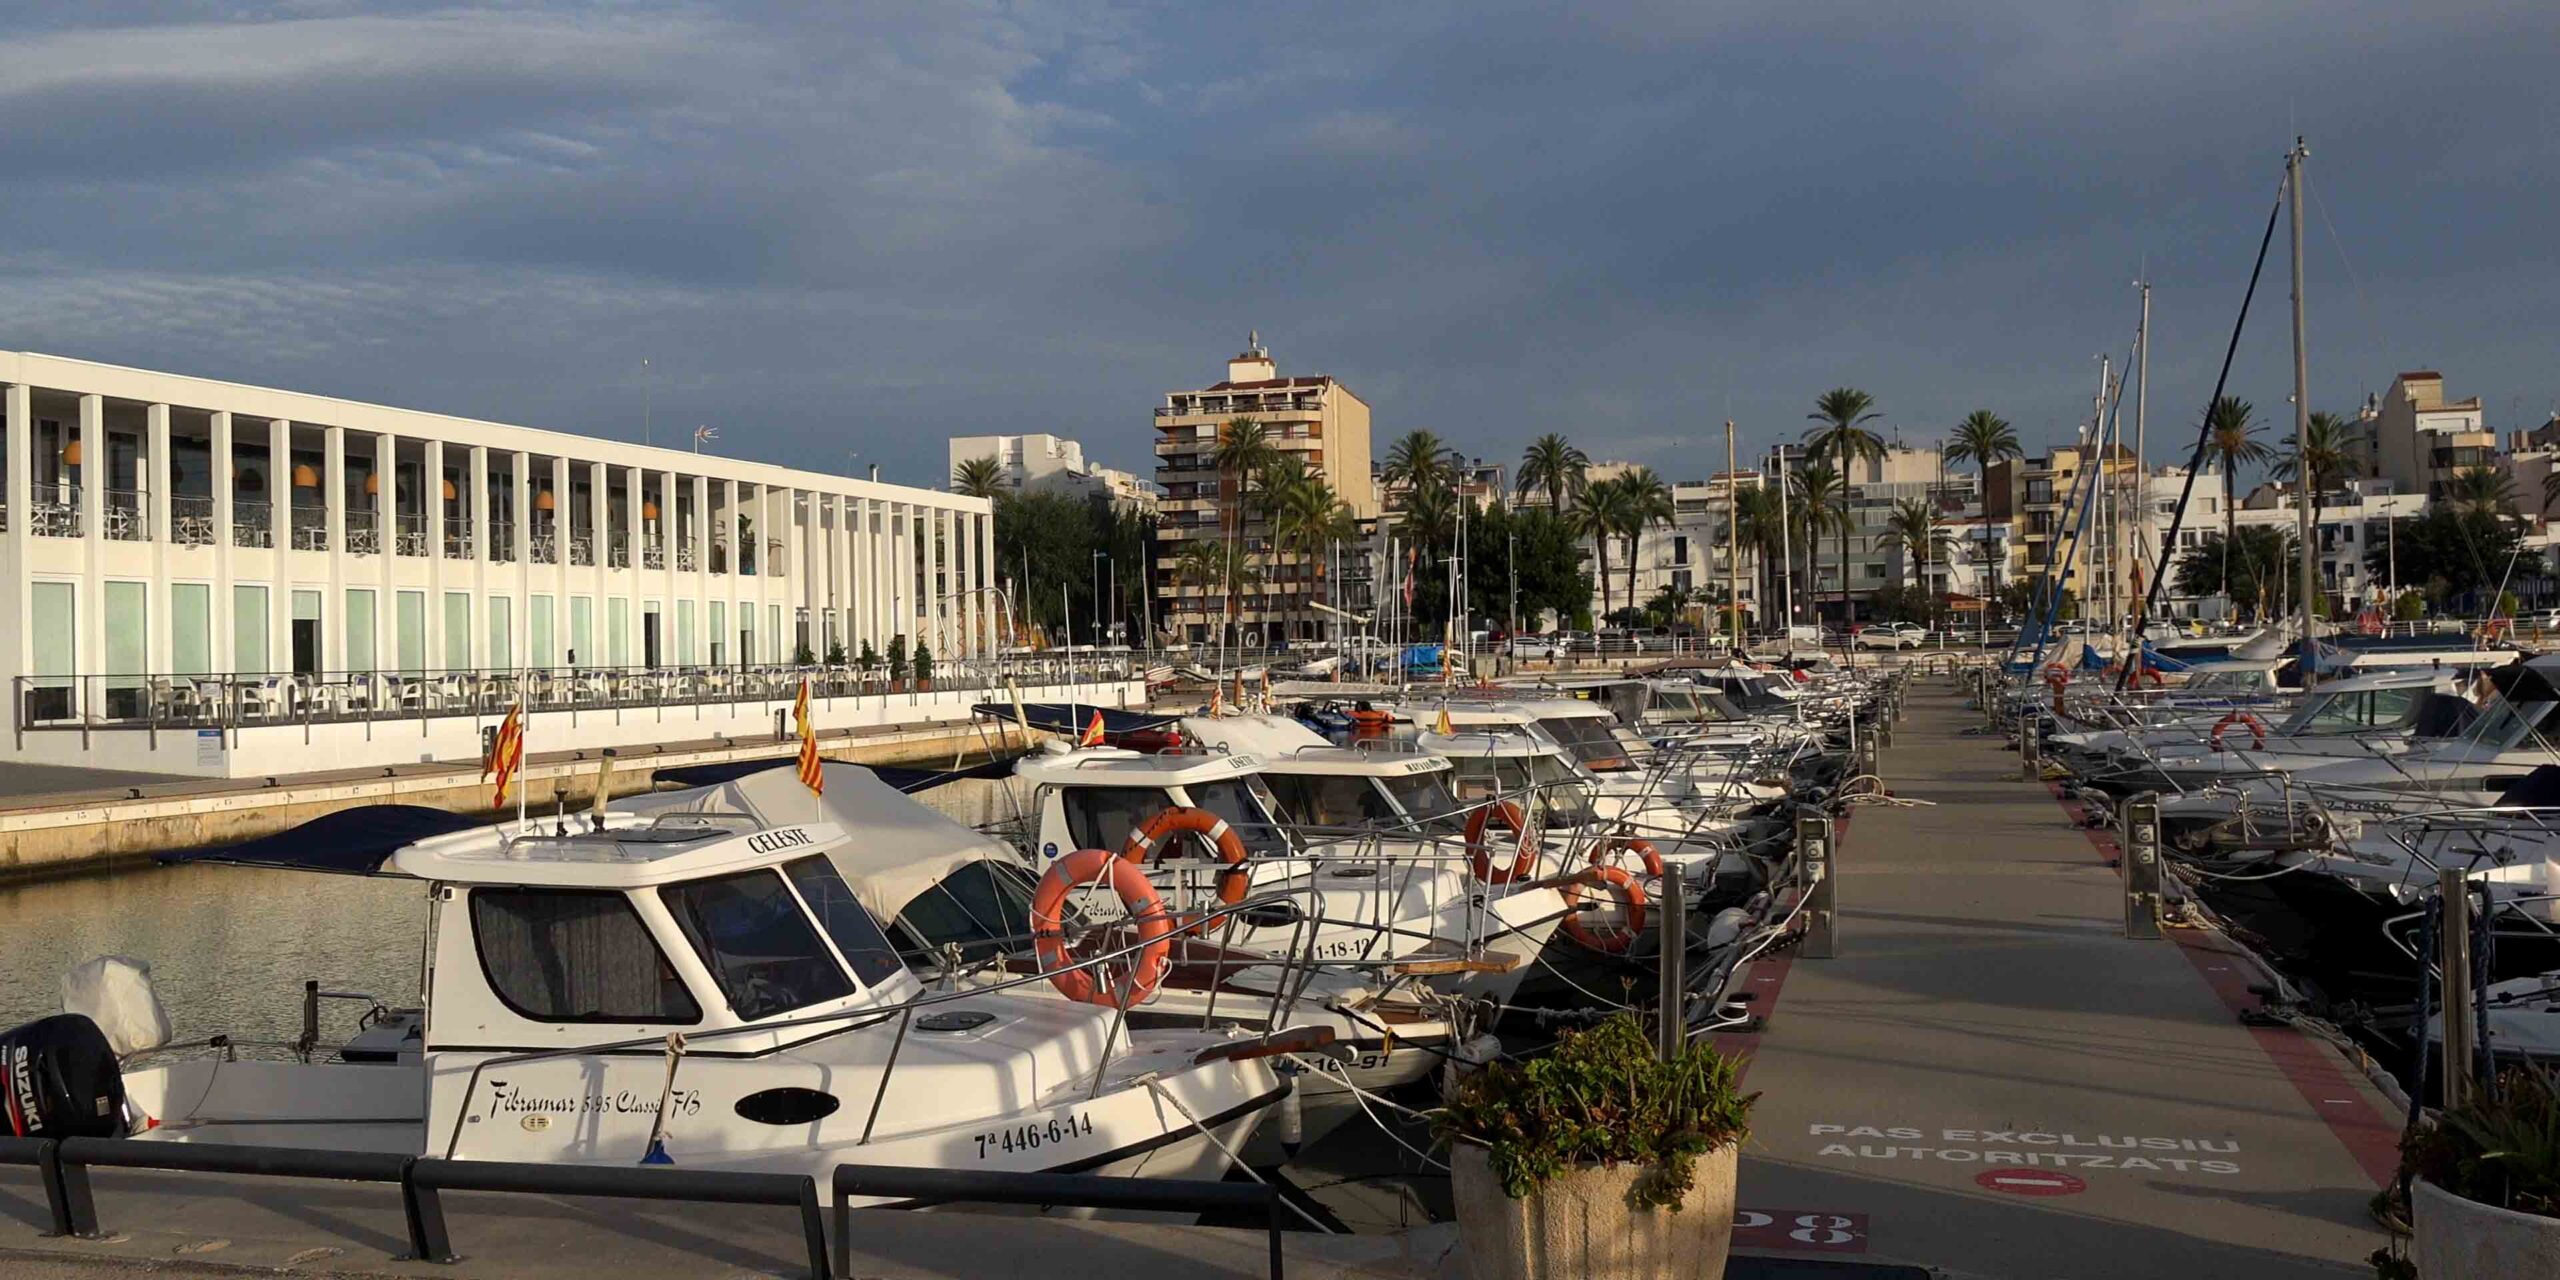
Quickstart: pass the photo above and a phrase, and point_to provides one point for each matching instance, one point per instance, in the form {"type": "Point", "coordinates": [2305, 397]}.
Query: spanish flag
{"type": "Point", "coordinates": [813, 774]}
{"type": "Point", "coordinates": [506, 754]}
{"type": "Point", "coordinates": [1445, 728]}
{"type": "Point", "coordinates": [1092, 736]}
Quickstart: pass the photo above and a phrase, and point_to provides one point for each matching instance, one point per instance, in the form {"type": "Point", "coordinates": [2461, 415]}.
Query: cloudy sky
{"type": "Point", "coordinates": [836, 228]}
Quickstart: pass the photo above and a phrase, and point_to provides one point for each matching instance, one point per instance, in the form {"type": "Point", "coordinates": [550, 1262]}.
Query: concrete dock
{"type": "Point", "coordinates": [1990, 1079]}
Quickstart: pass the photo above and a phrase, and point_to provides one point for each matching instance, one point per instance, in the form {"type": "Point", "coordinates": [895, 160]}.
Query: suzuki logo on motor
{"type": "Point", "coordinates": [774, 841]}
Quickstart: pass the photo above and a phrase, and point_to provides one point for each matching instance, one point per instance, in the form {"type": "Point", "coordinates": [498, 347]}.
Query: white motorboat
{"type": "Point", "coordinates": [710, 982]}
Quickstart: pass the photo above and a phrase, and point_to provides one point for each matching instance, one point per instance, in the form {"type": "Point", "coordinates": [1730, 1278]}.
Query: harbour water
{"type": "Point", "coordinates": [229, 947]}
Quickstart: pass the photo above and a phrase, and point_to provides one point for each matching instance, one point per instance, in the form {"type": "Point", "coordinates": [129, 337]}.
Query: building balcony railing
{"type": "Point", "coordinates": [457, 542]}
{"type": "Point", "coordinates": [653, 554]}
{"type": "Point", "coordinates": [502, 541]}
{"type": "Point", "coordinates": [253, 524]}
{"type": "Point", "coordinates": [410, 535]}
{"type": "Point", "coordinates": [191, 520]}
{"type": "Point", "coordinates": [685, 557]}
{"type": "Point", "coordinates": [545, 548]}
{"type": "Point", "coordinates": [582, 550]}
{"type": "Point", "coordinates": [364, 534]}
{"type": "Point", "coordinates": [126, 516]}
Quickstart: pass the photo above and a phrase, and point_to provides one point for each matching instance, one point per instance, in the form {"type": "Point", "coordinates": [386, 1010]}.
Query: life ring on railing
{"type": "Point", "coordinates": [1523, 863]}
{"type": "Point", "coordinates": [1370, 723]}
{"type": "Point", "coordinates": [1637, 845]}
{"type": "Point", "coordinates": [1177, 820]}
{"type": "Point", "coordinates": [2257, 730]}
{"type": "Point", "coordinates": [1611, 939]}
{"type": "Point", "coordinates": [1146, 911]}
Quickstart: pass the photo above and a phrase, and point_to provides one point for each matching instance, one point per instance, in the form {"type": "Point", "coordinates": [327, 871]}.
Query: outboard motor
{"type": "Point", "coordinates": [61, 1080]}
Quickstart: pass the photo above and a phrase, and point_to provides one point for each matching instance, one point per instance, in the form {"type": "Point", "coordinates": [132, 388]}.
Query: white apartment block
{"type": "Point", "coordinates": [1039, 462]}
{"type": "Point", "coordinates": [253, 564]}
{"type": "Point", "coordinates": [2352, 523]}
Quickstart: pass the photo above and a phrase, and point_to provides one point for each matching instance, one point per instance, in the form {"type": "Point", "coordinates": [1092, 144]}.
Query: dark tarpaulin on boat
{"type": "Point", "coordinates": [1070, 718]}
{"type": "Point", "coordinates": [352, 842]}
{"type": "Point", "coordinates": [2539, 789]}
{"type": "Point", "coordinates": [909, 781]}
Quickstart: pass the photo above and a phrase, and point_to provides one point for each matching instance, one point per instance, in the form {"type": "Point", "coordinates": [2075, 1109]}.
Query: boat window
{"type": "Point", "coordinates": [757, 942]}
{"type": "Point", "coordinates": [1427, 801]}
{"type": "Point", "coordinates": [2392, 706]}
{"type": "Point", "coordinates": [1591, 741]}
{"type": "Point", "coordinates": [1334, 800]}
{"type": "Point", "coordinates": [1482, 777]}
{"type": "Point", "coordinates": [857, 936]}
{"type": "Point", "coordinates": [575, 955]}
{"type": "Point", "coordinates": [1235, 800]}
{"type": "Point", "coordinates": [1103, 817]}
{"type": "Point", "coordinates": [980, 908]}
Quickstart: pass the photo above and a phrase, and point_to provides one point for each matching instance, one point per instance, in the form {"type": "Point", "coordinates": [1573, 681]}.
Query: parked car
{"type": "Point", "coordinates": [1892, 635]}
{"type": "Point", "coordinates": [1532, 646]}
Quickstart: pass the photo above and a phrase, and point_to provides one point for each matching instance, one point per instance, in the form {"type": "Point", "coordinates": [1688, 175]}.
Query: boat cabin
{"type": "Point", "coordinates": [1319, 784]}
{"type": "Point", "coordinates": [1094, 797]}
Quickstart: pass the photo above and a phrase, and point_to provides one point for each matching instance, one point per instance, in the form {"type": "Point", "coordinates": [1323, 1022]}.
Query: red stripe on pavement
{"type": "Point", "coordinates": [1767, 976]}
{"type": "Point", "coordinates": [2339, 1101]}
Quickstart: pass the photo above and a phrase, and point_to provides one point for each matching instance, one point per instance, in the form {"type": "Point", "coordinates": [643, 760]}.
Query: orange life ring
{"type": "Point", "coordinates": [1146, 910]}
{"type": "Point", "coordinates": [1151, 836]}
{"type": "Point", "coordinates": [2057, 677]}
{"type": "Point", "coordinates": [1637, 845]}
{"type": "Point", "coordinates": [2257, 730]}
{"type": "Point", "coordinates": [1523, 863]}
{"type": "Point", "coordinates": [1631, 902]}
{"type": "Point", "coordinates": [1369, 724]}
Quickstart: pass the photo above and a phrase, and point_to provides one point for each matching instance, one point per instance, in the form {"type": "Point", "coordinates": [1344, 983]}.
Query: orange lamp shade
{"type": "Point", "coordinates": [542, 501]}
{"type": "Point", "coordinates": [71, 454]}
{"type": "Point", "coordinates": [372, 485]}
{"type": "Point", "coordinates": [304, 477]}
{"type": "Point", "coordinates": [648, 511]}
{"type": "Point", "coordinates": [450, 493]}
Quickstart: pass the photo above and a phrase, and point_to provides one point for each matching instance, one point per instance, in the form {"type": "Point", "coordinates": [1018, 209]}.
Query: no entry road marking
{"type": "Point", "coordinates": [2029, 1182]}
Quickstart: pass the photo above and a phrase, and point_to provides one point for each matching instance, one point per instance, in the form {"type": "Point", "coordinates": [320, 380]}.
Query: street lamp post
{"type": "Point", "coordinates": [1098, 558]}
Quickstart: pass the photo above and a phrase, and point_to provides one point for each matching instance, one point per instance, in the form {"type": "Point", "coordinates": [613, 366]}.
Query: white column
{"type": "Point", "coordinates": [17, 404]}
{"type": "Point", "coordinates": [697, 534]}
{"type": "Point", "coordinates": [520, 520]}
{"type": "Point", "coordinates": [478, 518]}
{"type": "Point", "coordinates": [386, 537]}
{"type": "Point", "coordinates": [431, 500]}
{"type": "Point", "coordinates": [91, 639]}
{"type": "Point", "coordinates": [600, 506]}
{"type": "Point", "coordinates": [634, 537]}
{"type": "Point", "coordinates": [155, 509]}
{"type": "Point", "coordinates": [333, 608]}
{"type": "Point", "coordinates": [735, 557]}
{"type": "Point", "coordinates": [667, 543]}
{"type": "Point", "coordinates": [280, 548]}
{"type": "Point", "coordinates": [562, 636]}
{"type": "Point", "coordinates": [223, 619]}
{"type": "Point", "coordinates": [795, 582]}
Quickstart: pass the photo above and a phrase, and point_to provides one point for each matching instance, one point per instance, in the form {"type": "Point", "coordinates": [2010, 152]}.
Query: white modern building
{"type": "Point", "coordinates": [183, 553]}
{"type": "Point", "coordinates": [1039, 462]}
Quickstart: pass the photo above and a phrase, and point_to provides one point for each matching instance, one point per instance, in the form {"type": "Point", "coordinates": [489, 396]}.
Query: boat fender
{"type": "Point", "coordinates": [1523, 864]}
{"type": "Point", "coordinates": [1725, 926]}
{"type": "Point", "coordinates": [1147, 913]}
{"type": "Point", "coordinates": [59, 1079]}
{"type": "Point", "coordinates": [115, 992]}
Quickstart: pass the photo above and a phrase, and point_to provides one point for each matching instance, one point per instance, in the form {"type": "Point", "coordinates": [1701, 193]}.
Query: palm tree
{"type": "Point", "coordinates": [1419, 459]}
{"type": "Point", "coordinates": [1551, 462]}
{"type": "Point", "coordinates": [1598, 512]}
{"type": "Point", "coordinates": [1985, 439]}
{"type": "Point", "coordinates": [2228, 430]}
{"type": "Point", "coordinates": [1915, 529]}
{"type": "Point", "coordinates": [979, 478]}
{"type": "Point", "coordinates": [1844, 438]}
{"type": "Point", "coordinates": [1244, 448]}
{"type": "Point", "coordinates": [2483, 489]}
{"type": "Point", "coordinates": [1200, 563]}
{"type": "Point", "coordinates": [1820, 505]}
{"type": "Point", "coordinates": [1307, 520]}
{"type": "Point", "coordinates": [1757, 526]}
{"type": "Point", "coordinates": [1646, 502]}
{"type": "Point", "coordinates": [2324, 458]}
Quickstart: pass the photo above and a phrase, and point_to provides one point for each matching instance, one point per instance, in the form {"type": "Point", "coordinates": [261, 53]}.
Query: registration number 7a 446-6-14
{"type": "Point", "coordinates": [1066, 1126]}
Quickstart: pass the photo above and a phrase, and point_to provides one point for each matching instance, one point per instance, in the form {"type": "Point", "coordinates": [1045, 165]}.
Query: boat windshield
{"type": "Point", "coordinates": [751, 933]}
{"type": "Point", "coordinates": [2508, 723]}
{"type": "Point", "coordinates": [1339, 800]}
{"type": "Point", "coordinates": [1591, 741]}
{"type": "Point", "coordinates": [979, 908]}
{"type": "Point", "coordinates": [1427, 801]}
{"type": "Point", "coordinates": [1248, 807]}
{"type": "Point", "coordinates": [2351, 711]}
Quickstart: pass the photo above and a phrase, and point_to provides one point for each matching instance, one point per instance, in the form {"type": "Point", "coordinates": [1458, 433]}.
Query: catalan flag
{"type": "Point", "coordinates": [813, 774]}
{"type": "Point", "coordinates": [1092, 736]}
{"type": "Point", "coordinates": [506, 754]}
{"type": "Point", "coordinates": [1445, 728]}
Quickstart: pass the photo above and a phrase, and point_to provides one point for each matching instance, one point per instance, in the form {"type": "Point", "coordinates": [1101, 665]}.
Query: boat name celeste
{"type": "Point", "coordinates": [778, 839]}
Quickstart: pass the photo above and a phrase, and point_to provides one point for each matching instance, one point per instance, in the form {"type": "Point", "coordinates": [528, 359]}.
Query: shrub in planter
{"type": "Point", "coordinates": [1597, 1160]}
{"type": "Point", "coordinates": [2487, 1194]}
{"type": "Point", "coordinates": [924, 667]}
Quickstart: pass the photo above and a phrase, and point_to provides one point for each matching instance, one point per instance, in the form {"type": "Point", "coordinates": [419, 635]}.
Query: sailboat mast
{"type": "Point", "coordinates": [2301, 406]}
{"type": "Point", "coordinates": [2141, 457]}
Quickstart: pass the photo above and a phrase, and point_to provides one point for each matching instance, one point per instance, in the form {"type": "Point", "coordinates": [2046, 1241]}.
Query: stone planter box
{"type": "Point", "coordinates": [2460, 1239]}
{"type": "Point", "coordinates": [1587, 1226]}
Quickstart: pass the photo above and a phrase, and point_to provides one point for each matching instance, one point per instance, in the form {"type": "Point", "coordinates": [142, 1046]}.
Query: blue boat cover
{"type": "Point", "coordinates": [1070, 718]}
{"type": "Point", "coordinates": [2158, 661]}
{"type": "Point", "coordinates": [354, 842]}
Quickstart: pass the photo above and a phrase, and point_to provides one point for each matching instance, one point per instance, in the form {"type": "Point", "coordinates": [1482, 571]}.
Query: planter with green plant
{"type": "Point", "coordinates": [869, 661]}
{"type": "Point", "coordinates": [2485, 1192]}
{"type": "Point", "coordinates": [1599, 1160]}
{"type": "Point", "coordinates": [924, 667]}
{"type": "Point", "coordinates": [897, 662]}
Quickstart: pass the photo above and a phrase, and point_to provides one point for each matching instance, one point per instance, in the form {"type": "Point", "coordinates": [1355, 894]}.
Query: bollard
{"type": "Point", "coordinates": [2138, 836]}
{"type": "Point", "coordinates": [1672, 1030]}
{"type": "Point", "coordinates": [2029, 765]}
{"type": "Point", "coordinates": [2453, 955]}
{"type": "Point", "coordinates": [1813, 845]}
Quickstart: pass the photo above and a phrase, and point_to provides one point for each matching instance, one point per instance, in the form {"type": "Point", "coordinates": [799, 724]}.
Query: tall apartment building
{"type": "Point", "coordinates": [2419, 441]}
{"type": "Point", "coordinates": [1313, 419]}
{"type": "Point", "coordinates": [1039, 462]}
